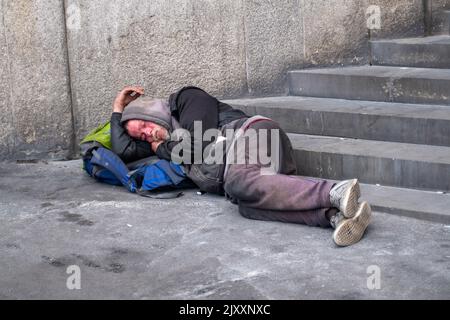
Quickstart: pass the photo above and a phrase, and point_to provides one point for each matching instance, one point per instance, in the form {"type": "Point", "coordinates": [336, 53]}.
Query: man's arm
{"type": "Point", "coordinates": [193, 105]}
{"type": "Point", "coordinates": [127, 148]}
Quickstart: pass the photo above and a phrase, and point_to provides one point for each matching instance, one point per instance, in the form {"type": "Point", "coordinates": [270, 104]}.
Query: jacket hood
{"type": "Point", "coordinates": [149, 109]}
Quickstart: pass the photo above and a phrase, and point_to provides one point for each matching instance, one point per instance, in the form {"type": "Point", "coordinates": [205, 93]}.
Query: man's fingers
{"type": "Point", "coordinates": [129, 90]}
{"type": "Point", "coordinates": [134, 96]}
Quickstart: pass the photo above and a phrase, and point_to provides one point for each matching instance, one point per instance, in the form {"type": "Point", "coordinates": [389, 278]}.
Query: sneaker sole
{"type": "Point", "coordinates": [350, 231]}
{"type": "Point", "coordinates": [350, 203]}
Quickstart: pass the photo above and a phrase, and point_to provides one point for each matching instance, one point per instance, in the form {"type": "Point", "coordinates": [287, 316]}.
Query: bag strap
{"type": "Point", "coordinates": [160, 195]}
{"type": "Point", "coordinates": [238, 134]}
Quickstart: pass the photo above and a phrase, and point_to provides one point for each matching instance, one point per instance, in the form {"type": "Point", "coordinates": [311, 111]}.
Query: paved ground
{"type": "Point", "coordinates": [195, 247]}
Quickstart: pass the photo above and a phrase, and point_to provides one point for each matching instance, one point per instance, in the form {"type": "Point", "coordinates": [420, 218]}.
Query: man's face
{"type": "Point", "coordinates": [146, 131]}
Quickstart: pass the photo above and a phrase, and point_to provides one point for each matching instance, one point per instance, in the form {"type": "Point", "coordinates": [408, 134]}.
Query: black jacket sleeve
{"type": "Point", "coordinates": [193, 105]}
{"type": "Point", "coordinates": [127, 148]}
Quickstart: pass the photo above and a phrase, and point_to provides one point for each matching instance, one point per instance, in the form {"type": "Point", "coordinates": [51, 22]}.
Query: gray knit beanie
{"type": "Point", "coordinates": [149, 109]}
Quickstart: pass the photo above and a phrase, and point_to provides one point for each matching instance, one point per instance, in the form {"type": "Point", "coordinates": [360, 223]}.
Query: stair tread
{"type": "Point", "coordinates": [371, 148]}
{"type": "Point", "coordinates": [438, 39]}
{"type": "Point", "coordinates": [403, 110]}
{"type": "Point", "coordinates": [381, 71]}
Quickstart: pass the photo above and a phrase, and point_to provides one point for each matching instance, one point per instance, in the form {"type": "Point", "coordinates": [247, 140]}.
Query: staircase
{"type": "Point", "coordinates": [388, 124]}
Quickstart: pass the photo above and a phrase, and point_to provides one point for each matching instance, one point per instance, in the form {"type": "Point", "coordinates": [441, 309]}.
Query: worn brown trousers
{"type": "Point", "coordinates": [281, 196]}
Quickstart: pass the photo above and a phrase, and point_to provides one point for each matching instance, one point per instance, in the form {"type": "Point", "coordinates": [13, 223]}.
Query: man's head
{"type": "Point", "coordinates": [148, 119]}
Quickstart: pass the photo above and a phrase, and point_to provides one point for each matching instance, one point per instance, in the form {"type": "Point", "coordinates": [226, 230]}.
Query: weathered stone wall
{"type": "Point", "coordinates": [231, 48]}
{"type": "Point", "coordinates": [35, 108]}
{"type": "Point", "coordinates": [335, 32]}
{"type": "Point", "coordinates": [399, 18]}
{"type": "Point", "coordinates": [440, 20]}
{"type": "Point", "coordinates": [6, 117]}
{"type": "Point", "coordinates": [160, 45]}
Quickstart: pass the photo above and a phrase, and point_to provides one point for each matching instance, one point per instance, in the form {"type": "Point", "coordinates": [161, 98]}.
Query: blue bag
{"type": "Point", "coordinates": [147, 180]}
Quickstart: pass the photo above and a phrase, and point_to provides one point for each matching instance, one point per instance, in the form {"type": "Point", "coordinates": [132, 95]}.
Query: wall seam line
{"type": "Point", "coordinates": [10, 91]}
{"type": "Point", "coordinates": [72, 151]}
{"type": "Point", "coordinates": [302, 13]}
{"type": "Point", "coordinates": [247, 72]}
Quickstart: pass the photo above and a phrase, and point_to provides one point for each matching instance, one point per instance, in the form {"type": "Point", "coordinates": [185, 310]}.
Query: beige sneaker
{"type": "Point", "coordinates": [350, 231]}
{"type": "Point", "coordinates": [344, 196]}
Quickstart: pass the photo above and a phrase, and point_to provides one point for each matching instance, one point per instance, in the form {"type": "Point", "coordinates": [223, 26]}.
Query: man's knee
{"type": "Point", "coordinates": [230, 188]}
{"type": "Point", "coordinates": [235, 184]}
{"type": "Point", "coordinates": [256, 214]}
{"type": "Point", "coordinates": [245, 213]}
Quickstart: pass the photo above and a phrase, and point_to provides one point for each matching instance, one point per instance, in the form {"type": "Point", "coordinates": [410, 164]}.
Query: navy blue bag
{"type": "Point", "coordinates": [160, 179]}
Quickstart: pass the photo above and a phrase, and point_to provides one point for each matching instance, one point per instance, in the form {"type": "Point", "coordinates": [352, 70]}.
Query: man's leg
{"type": "Point", "coordinates": [281, 196]}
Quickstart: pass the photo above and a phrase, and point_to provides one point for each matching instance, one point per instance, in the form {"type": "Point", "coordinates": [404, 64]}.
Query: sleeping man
{"type": "Point", "coordinates": [253, 163]}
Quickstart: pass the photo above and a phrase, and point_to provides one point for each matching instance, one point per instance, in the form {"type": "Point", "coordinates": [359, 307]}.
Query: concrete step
{"type": "Point", "coordinates": [419, 204]}
{"type": "Point", "coordinates": [384, 121]}
{"type": "Point", "coordinates": [428, 52]}
{"type": "Point", "coordinates": [374, 83]}
{"type": "Point", "coordinates": [374, 162]}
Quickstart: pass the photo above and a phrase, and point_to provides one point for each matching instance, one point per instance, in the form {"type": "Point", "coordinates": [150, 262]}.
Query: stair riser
{"type": "Point", "coordinates": [419, 56]}
{"type": "Point", "coordinates": [406, 90]}
{"type": "Point", "coordinates": [361, 126]}
{"type": "Point", "coordinates": [389, 172]}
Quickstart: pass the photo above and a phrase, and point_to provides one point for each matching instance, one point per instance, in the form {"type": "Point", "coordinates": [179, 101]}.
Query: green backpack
{"type": "Point", "coordinates": [99, 137]}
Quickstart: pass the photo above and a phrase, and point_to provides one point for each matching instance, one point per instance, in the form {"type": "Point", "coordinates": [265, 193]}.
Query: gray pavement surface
{"type": "Point", "coordinates": [194, 247]}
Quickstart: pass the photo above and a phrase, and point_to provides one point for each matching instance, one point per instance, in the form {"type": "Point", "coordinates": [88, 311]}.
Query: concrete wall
{"type": "Point", "coordinates": [231, 48]}
{"type": "Point", "coordinates": [399, 18]}
{"type": "Point", "coordinates": [335, 32]}
{"type": "Point", "coordinates": [440, 21]}
{"type": "Point", "coordinates": [6, 118]}
{"type": "Point", "coordinates": [160, 45]}
{"type": "Point", "coordinates": [35, 108]}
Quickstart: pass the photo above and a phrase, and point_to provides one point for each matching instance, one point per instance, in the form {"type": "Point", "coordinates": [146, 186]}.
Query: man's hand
{"type": "Point", "coordinates": [125, 96]}
{"type": "Point", "coordinates": [155, 145]}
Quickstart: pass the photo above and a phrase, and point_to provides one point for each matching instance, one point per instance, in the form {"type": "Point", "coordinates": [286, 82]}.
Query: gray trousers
{"type": "Point", "coordinates": [281, 196]}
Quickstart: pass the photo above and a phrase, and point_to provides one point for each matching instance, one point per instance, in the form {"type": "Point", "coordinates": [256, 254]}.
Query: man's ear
{"type": "Point", "coordinates": [125, 125]}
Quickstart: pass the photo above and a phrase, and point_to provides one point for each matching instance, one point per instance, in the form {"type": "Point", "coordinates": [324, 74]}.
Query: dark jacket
{"type": "Point", "coordinates": [212, 112]}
